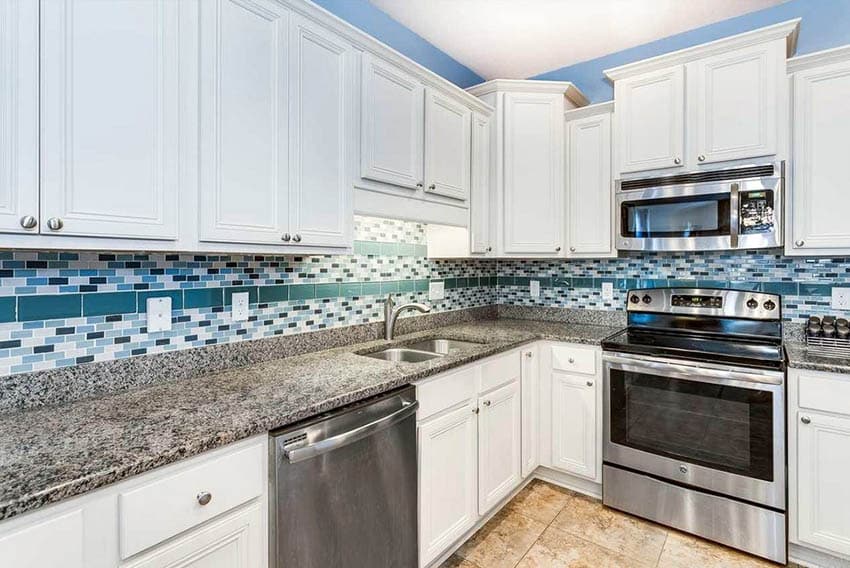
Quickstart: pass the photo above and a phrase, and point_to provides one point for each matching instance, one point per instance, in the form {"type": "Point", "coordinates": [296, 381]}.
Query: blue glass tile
{"type": "Point", "coordinates": [302, 291]}
{"type": "Point", "coordinates": [389, 287]}
{"type": "Point", "coordinates": [44, 307]}
{"type": "Point", "coordinates": [350, 289]}
{"type": "Point", "coordinates": [203, 298]}
{"type": "Point", "coordinates": [109, 303]}
{"type": "Point", "coordinates": [327, 290]}
{"type": "Point", "coordinates": [406, 286]}
{"type": "Point", "coordinates": [422, 285]}
{"type": "Point", "coordinates": [7, 309]}
{"type": "Point", "coordinates": [784, 288]}
{"type": "Point", "coordinates": [371, 288]}
{"type": "Point", "coordinates": [807, 289]}
{"type": "Point", "coordinates": [279, 293]}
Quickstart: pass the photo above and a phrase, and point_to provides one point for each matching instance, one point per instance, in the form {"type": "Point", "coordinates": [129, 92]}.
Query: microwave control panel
{"type": "Point", "coordinates": [756, 212]}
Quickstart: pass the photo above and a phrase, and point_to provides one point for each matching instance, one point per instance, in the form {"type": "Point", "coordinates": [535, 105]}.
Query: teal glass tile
{"type": "Point", "coordinates": [545, 282]}
{"type": "Point", "coordinates": [389, 287]}
{"type": "Point", "coordinates": [421, 250]}
{"type": "Point", "coordinates": [506, 280]}
{"type": "Point", "coordinates": [582, 282]}
{"type": "Point", "coordinates": [406, 249]}
{"type": "Point", "coordinates": [7, 309]}
{"type": "Point", "coordinates": [521, 281]}
{"type": "Point", "coordinates": [230, 290]}
{"type": "Point", "coordinates": [371, 288]}
{"type": "Point", "coordinates": [389, 249]}
{"type": "Point", "coordinates": [450, 283]}
{"type": "Point", "coordinates": [422, 285]}
{"type": "Point", "coordinates": [302, 291]}
{"type": "Point", "coordinates": [750, 286]}
{"type": "Point", "coordinates": [277, 293]}
{"type": "Point", "coordinates": [175, 295]}
{"type": "Point", "coordinates": [108, 303]}
{"type": "Point", "coordinates": [786, 288]}
{"type": "Point", "coordinates": [811, 289]}
{"type": "Point", "coordinates": [406, 286]}
{"type": "Point", "coordinates": [330, 290]}
{"type": "Point", "coordinates": [461, 282]}
{"type": "Point", "coordinates": [42, 307]}
{"type": "Point", "coordinates": [350, 289]}
{"type": "Point", "coordinates": [712, 283]}
{"type": "Point", "coordinates": [369, 247]}
{"type": "Point", "coordinates": [203, 297]}
{"type": "Point", "coordinates": [560, 282]}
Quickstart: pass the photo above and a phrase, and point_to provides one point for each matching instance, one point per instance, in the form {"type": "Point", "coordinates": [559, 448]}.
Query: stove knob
{"type": "Point", "coordinates": [647, 299]}
{"type": "Point", "coordinates": [634, 299]}
{"type": "Point", "coordinates": [752, 303]}
{"type": "Point", "coordinates": [769, 305]}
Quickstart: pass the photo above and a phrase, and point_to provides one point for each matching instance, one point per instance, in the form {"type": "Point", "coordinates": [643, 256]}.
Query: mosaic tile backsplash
{"type": "Point", "coordinates": [66, 308]}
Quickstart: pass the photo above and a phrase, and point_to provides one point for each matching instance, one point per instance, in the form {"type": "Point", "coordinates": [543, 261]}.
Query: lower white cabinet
{"type": "Point", "coordinates": [574, 424]}
{"type": "Point", "coordinates": [530, 377]}
{"type": "Point", "coordinates": [499, 443]}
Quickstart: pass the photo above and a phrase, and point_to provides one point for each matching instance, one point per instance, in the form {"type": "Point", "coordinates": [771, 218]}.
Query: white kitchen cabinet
{"type": "Point", "coordinates": [19, 114]}
{"type": "Point", "coordinates": [448, 152]}
{"type": "Point", "coordinates": [734, 103]}
{"type": "Point", "coordinates": [244, 118]}
{"type": "Point", "coordinates": [480, 187]}
{"type": "Point", "coordinates": [499, 444]}
{"type": "Point", "coordinates": [321, 120]}
{"type": "Point", "coordinates": [821, 119]}
{"type": "Point", "coordinates": [530, 376]}
{"type": "Point", "coordinates": [650, 120]}
{"type": "Point", "coordinates": [110, 114]}
{"type": "Point", "coordinates": [26, 548]}
{"type": "Point", "coordinates": [574, 418]}
{"type": "Point", "coordinates": [589, 231]}
{"type": "Point", "coordinates": [448, 479]}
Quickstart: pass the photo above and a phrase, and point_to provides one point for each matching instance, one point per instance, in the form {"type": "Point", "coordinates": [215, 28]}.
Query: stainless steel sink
{"type": "Point", "coordinates": [441, 346]}
{"type": "Point", "coordinates": [402, 355]}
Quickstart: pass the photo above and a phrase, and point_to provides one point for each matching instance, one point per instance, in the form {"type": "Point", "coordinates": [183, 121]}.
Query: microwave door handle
{"type": "Point", "coordinates": [734, 211]}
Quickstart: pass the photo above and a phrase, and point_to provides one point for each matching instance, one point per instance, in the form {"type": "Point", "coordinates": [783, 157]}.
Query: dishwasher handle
{"type": "Point", "coordinates": [301, 453]}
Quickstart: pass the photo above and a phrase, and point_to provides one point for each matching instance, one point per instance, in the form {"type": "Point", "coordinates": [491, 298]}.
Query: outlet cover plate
{"type": "Point", "coordinates": [239, 306]}
{"type": "Point", "coordinates": [159, 314]}
{"type": "Point", "coordinates": [841, 298]}
{"type": "Point", "coordinates": [607, 290]}
{"type": "Point", "coordinates": [436, 290]}
{"type": "Point", "coordinates": [534, 286]}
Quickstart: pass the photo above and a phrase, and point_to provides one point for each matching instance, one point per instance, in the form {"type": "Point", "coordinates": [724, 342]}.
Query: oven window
{"type": "Point", "coordinates": [695, 216]}
{"type": "Point", "coordinates": [721, 427]}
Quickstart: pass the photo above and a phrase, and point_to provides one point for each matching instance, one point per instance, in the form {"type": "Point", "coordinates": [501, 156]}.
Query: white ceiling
{"type": "Point", "coordinates": [517, 39]}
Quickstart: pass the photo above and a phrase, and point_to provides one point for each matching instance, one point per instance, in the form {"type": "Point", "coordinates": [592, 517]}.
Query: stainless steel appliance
{"type": "Point", "coordinates": [343, 487]}
{"type": "Point", "coordinates": [694, 416]}
{"type": "Point", "coordinates": [735, 208]}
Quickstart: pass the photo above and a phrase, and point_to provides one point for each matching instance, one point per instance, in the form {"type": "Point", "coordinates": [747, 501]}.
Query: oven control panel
{"type": "Point", "coordinates": [705, 301]}
{"type": "Point", "coordinates": [688, 301]}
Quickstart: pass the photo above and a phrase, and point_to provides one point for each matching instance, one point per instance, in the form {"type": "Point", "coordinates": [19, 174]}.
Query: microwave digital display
{"type": "Point", "coordinates": [757, 214]}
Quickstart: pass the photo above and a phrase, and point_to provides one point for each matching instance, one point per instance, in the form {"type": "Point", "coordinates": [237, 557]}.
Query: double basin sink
{"type": "Point", "coordinates": [420, 351]}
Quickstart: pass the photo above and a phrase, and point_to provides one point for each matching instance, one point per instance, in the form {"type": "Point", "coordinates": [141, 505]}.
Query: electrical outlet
{"type": "Point", "coordinates": [841, 298]}
{"type": "Point", "coordinates": [436, 290]}
{"type": "Point", "coordinates": [159, 314]}
{"type": "Point", "coordinates": [239, 306]}
{"type": "Point", "coordinates": [534, 287]}
{"type": "Point", "coordinates": [607, 290]}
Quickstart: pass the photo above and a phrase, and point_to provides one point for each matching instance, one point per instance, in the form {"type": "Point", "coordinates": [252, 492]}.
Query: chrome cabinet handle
{"type": "Point", "coordinates": [28, 222]}
{"type": "Point", "coordinates": [432, 187]}
{"type": "Point", "coordinates": [476, 410]}
{"type": "Point", "coordinates": [799, 243]}
{"type": "Point", "coordinates": [701, 158]}
{"type": "Point", "coordinates": [419, 185]}
{"type": "Point", "coordinates": [55, 223]}
{"type": "Point", "coordinates": [204, 498]}
{"type": "Point", "coordinates": [557, 249]}
{"type": "Point", "coordinates": [590, 383]}
{"type": "Point", "coordinates": [296, 238]}
{"type": "Point", "coordinates": [286, 237]}
{"type": "Point", "coordinates": [486, 403]}
{"type": "Point", "coordinates": [805, 420]}
{"type": "Point", "coordinates": [677, 161]}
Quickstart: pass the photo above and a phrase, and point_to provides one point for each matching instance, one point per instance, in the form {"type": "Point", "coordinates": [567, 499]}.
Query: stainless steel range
{"type": "Point", "coordinates": [695, 416]}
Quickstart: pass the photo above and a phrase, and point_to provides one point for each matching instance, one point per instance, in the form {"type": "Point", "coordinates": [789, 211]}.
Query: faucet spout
{"type": "Point", "coordinates": [391, 313]}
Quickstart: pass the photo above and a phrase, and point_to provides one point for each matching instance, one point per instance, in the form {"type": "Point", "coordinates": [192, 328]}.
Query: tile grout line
{"type": "Point", "coordinates": [544, 528]}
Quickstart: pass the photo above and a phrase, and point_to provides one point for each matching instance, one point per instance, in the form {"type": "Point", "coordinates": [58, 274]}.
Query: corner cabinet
{"type": "Point", "coordinates": [821, 119]}
{"type": "Point", "coordinates": [480, 187]}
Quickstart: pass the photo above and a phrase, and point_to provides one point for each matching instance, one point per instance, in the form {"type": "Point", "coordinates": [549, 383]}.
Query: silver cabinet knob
{"type": "Point", "coordinates": [677, 161]}
{"type": "Point", "coordinates": [28, 222]}
{"type": "Point", "coordinates": [489, 249]}
{"type": "Point", "coordinates": [432, 187]}
{"type": "Point", "coordinates": [286, 237]}
{"type": "Point", "coordinates": [204, 498]}
{"type": "Point", "coordinates": [475, 410]}
{"type": "Point", "coordinates": [419, 185]}
{"type": "Point", "coordinates": [486, 403]}
{"type": "Point", "coordinates": [590, 383]}
{"type": "Point", "coordinates": [571, 360]}
{"type": "Point", "coordinates": [799, 243]}
{"type": "Point", "coordinates": [296, 238]}
{"type": "Point", "coordinates": [529, 354]}
{"type": "Point", "coordinates": [701, 158]}
{"type": "Point", "coordinates": [557, 249]}
{"type": "Point", "coordinates": [805, 420]}
{"type": "Point", "coordinates": [55, 223]}
{"type": "Point", "coordinates": [683, 468]}
{"type": "Point", "coordinates": [572, 249]}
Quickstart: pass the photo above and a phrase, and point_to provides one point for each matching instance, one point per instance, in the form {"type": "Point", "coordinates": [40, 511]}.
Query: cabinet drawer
{"type": "Point", "coordinates": [445, 392]}
{"type": "Point", "coordinates": [573, 359]}
{"type": "Point", "coordinates": [824, 391]}
{"type": "Point", "coordinates": [169, 505]}
{"type": "Point", "coordinates": [500, 370]}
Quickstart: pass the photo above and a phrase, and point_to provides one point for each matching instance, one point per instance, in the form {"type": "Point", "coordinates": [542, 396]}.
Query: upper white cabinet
{"type": "Point", "coordinates": [447, 146]}
{"type": "Point", "coordinates": [480, 189]}
{"type": "Point", "coordinates": [821, 120]}
{"type": "Point", "coordinates": [719, 102]}
{"type": "Point", "coordinates": [650, 120]}
{"type": "Point", "coordinates": [19, 115]}
{"type": "Point", "coordinates": [589, 227]}
{"type": "Point", "coordinates": [244, 134]}
{"type": "Point", "coordinates": [110, 117]}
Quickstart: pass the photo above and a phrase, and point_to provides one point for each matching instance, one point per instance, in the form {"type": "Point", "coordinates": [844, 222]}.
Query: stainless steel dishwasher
{"type": "Point", "coordinates": [343, 488]}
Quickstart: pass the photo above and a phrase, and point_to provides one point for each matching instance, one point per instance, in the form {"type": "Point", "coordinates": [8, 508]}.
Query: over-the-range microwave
{"type": "Point", "coordinates": [734, 208]}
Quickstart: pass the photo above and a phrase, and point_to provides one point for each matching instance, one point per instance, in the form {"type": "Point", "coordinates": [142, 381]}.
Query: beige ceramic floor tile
{"type": "Point", "coordinates": [637, 540]}
{"type": "Point", "coordinates": [558, 549]}
{"type": "Point", "coordinates": [539, 500]}
{"type": "Point", "coordinates": [685, 551]}
{"type": "Point", "coordinates": [456, 561]}
{"type": "Point", "coordinates": [502, 541]}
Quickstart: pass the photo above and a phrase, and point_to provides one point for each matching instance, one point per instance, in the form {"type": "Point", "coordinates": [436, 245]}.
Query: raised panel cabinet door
{"type": "Point", "coordinates": [110, 107]}
{"type": "Point", "coordinates": [54, 542]}
{"type": "Point", "coordinates": [233, 541]}
{"type": "Point", "coordinates": [589, 189]}
{"type": "Point", "coordinates": [243, 121]}
{"type": "Point", "coordinates": [479, 197]}
{"type": "Point", "coordinates": [19, 116]}
{"type": "Point", "coordinates": [392, 118]}
{"type": "Point", "coordinates": [649, 120]}
{"type": "Point", "coordinates": [733, 103]}
{"type": "Point", "coordinates": [448, 479]}
{"type": "Point", "coordinates": [819, 191]}
{"type": "Point", "coordinates": [533, 200]}
{"type": "Point", "coordinates": [530, 411]}
{"type": "Point", "coordinates": [322, 78]}
{"type": "Point", "coordinates": [823, 460]}
{"type": "Point", "coordinates": [574, 424]}
{"type": "Point", "coordinates": [448, 143]}
{"type": "Point", "coordinates": [499, 444]}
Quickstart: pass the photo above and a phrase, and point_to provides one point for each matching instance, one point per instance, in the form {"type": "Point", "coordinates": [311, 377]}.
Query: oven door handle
{"type": "Point", "coordinates": [716, 372]}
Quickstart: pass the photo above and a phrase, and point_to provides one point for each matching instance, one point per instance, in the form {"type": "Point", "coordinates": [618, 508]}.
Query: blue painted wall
{"type": "Point", "coordinates": [378, 24]}
{"type": "Point", "coordinates": [826, 24]}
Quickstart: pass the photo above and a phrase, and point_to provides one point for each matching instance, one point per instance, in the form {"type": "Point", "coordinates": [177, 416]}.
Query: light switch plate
{"type": "Point", "coordinates": [607, 290]}
{"type": "Point", "coordinates": [239, 306]}
{"type": "Point", "coordinates": [159, 314]}
{"type": "Point", "coordinates": [841, 298]}
{"type": "Point", "coordinates": [436, 290]}
{"type": "Point", "coordinates": [534, 287]}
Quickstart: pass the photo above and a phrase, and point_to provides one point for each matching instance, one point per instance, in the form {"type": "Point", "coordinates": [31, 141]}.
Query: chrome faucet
{"type": "Point", "coordinates": [391, 313]}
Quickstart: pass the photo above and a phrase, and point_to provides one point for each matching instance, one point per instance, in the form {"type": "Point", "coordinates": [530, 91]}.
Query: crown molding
{"type": "Point", "coordinates": [819, 58]}
{"type": "Point", "coordinates": [566, 88]}
{"type": "Point", "coordinates": [589, 110]}
{"type": "Point", "coordinates": [788, 31]}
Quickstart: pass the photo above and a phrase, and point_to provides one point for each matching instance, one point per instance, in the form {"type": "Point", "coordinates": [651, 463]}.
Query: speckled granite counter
{"type": "Point", "coordinates": [800, 358]}
{"type": "Point", "coordinates": [53, 453]}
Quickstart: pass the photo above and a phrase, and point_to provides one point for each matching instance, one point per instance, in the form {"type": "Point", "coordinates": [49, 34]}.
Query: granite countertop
{"type": "Point", "coordinates": [799, 357]}
{"type": "Point", "coordinates": [51, 454]}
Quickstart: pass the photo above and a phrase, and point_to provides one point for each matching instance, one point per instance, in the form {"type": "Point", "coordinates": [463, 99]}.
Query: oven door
{"type": "Point", "coordinates": [702, 425]}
